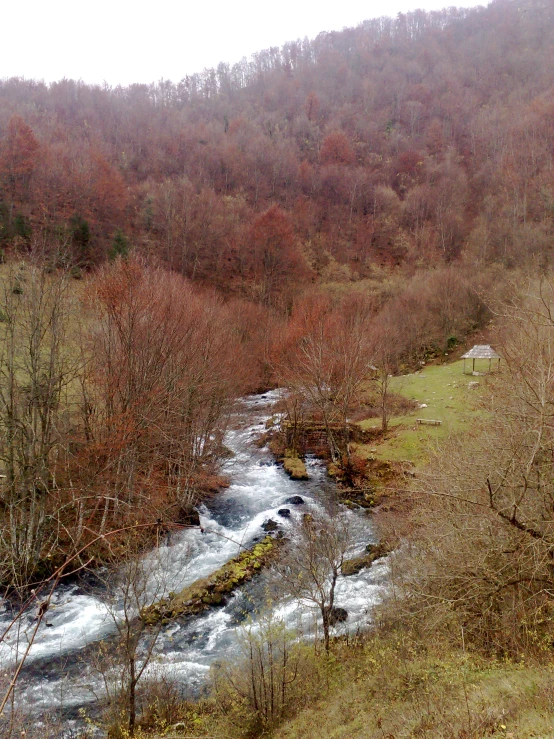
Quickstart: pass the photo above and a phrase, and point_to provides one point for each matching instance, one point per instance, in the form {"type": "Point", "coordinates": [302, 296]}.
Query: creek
{"type": "Point", "coordinates": [57, 675]}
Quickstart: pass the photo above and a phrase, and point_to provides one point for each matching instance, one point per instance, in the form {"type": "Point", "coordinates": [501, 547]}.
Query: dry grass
{"type": "Point", "coordinates": [393, 688]}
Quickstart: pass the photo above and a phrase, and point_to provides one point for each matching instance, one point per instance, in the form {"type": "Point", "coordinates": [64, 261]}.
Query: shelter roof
{"type": "Point", "coordinates": [481, 351]}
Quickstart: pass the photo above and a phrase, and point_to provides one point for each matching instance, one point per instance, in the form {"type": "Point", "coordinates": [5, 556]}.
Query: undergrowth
{"type": "Point", "coordinates": [384, 685]}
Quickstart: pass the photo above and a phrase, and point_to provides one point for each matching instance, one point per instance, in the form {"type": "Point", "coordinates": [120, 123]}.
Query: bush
{"type": "Point", "coordinates": [273, 677]}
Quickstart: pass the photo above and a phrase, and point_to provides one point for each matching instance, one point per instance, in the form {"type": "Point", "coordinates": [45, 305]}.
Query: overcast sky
{"type": "Point", "coordinates": [124, 41]}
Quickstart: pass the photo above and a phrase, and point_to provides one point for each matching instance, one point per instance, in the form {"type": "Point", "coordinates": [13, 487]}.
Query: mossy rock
{"type": "Point", "coordinates": [214, 599]}
{"type": "Point", "coordinates": [270, 525]}
{"type": "Point", "coordinates": [357, 498]}
{"type": "Point", "coordinates": [211, 591]}
{"type": "Point", "coordinates": [295, 468]}
{"type": "Point", "coordinates": [357, 564]}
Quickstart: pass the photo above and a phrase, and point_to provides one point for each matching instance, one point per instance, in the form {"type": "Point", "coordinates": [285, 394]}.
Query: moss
{"type": "Point", "coordinates": [295, 468]}
{"type": "Point", "coordinates": [211, 591]}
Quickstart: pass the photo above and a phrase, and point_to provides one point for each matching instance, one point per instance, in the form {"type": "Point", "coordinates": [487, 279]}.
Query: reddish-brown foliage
{"type": "Point", "coordinates": [18, 155]}
{"type": "Point", "coordinates": [274, 260]}
{"type": "Point", "coordinates": [336, 149]}
{"type": "Point", "coordinates": [413, 140]}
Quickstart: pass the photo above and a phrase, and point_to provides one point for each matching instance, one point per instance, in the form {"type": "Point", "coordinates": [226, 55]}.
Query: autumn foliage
{"type": "Point", "coordinates": [112, 411]}
{"type": "Point", "coordinates": [296, 217]}
{"type": "Point", "coordinates": [400, 143]}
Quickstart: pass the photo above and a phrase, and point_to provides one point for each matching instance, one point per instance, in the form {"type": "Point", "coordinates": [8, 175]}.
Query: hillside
{"type": "Point", "coordinates": [399, 143]}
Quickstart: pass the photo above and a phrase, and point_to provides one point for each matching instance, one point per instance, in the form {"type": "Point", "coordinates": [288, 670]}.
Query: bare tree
{"type": "Point", "coordinates": [38, 405]}
{"type": "Point", "coordinates": [122, 662]}
{"type": "Point", "coordinates": [310, 568]}
{"type": "Point", "coordinates": [138, 583]}
{"type": "Point", "coordinates": [326, 360]}
{"type": "Point", "coordinates": [260, 686]}
{"type": "Point", "coordinates": [385, 352]}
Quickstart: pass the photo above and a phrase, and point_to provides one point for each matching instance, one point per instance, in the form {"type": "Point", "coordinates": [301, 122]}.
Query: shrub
{"type": "Point", "coordinates": [269, 680]}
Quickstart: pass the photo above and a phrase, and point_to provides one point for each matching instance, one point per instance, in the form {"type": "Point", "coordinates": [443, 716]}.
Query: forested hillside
{"type": "Point", "coordinates": [397, 143]}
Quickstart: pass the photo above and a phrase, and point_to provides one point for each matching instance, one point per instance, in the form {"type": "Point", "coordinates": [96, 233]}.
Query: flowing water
{"type": "Point", "coordinates": [57, 674]}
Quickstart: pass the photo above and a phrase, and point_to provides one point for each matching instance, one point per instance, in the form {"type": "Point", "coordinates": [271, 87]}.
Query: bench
{"type": "Point", "coordinates": [428, 421]}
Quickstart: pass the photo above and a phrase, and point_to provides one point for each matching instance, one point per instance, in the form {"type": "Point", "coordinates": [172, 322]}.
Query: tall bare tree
{"type": "Point", "coordinates": [123, 662]}
{"type": "Point", "coordinates": [311, 566]}
{"type": "Point", "coordinates": [327, 358]}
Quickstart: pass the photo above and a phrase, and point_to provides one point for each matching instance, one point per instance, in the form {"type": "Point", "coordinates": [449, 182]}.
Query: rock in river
{"type": "Point", "coordinates": [295, 500]}
{"type": "Point", "coordinates": [270, 525]}
{"type": "Point", "coordinates": [357, 564]}
{"type": "Point", "coordinates": [337, 615]}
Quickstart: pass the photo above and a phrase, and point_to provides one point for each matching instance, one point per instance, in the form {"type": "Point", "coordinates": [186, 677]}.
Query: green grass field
{"type": "Point", "coordinates": [444, 390]}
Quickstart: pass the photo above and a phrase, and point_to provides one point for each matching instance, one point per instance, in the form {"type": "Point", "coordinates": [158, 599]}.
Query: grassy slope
{"type": "Point", "coordinates": [444, 389]}
{"type": "Point", "coordinates": [393, 689]}
{"type": "Point", "coordinates": [392, 686]}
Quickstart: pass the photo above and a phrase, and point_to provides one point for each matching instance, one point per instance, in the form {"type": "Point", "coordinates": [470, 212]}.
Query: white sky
{"type": "Point", "coordinates": [125, 41]}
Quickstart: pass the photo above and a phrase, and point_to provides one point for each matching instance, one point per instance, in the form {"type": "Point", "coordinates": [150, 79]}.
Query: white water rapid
{"type": "Point", "coordinates": [57, 675]}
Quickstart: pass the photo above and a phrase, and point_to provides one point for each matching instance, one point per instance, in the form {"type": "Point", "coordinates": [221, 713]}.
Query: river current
{"type": "Point", "coordinates": [57, 676]}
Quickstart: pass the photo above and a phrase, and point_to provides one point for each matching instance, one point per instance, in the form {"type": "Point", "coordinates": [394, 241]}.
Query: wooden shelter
{"type": "Point", "coordinates": [481, 351]}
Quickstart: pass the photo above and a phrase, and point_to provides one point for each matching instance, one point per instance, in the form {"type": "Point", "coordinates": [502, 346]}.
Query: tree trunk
{"type": "Point", "coordinates": [132, 697]}
{"type": "Point", "coordinates": [325, 613]}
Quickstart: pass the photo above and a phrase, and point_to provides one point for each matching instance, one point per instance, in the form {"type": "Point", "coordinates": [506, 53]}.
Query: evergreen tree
{"type": "Point", "coordinates": [120, 246]}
